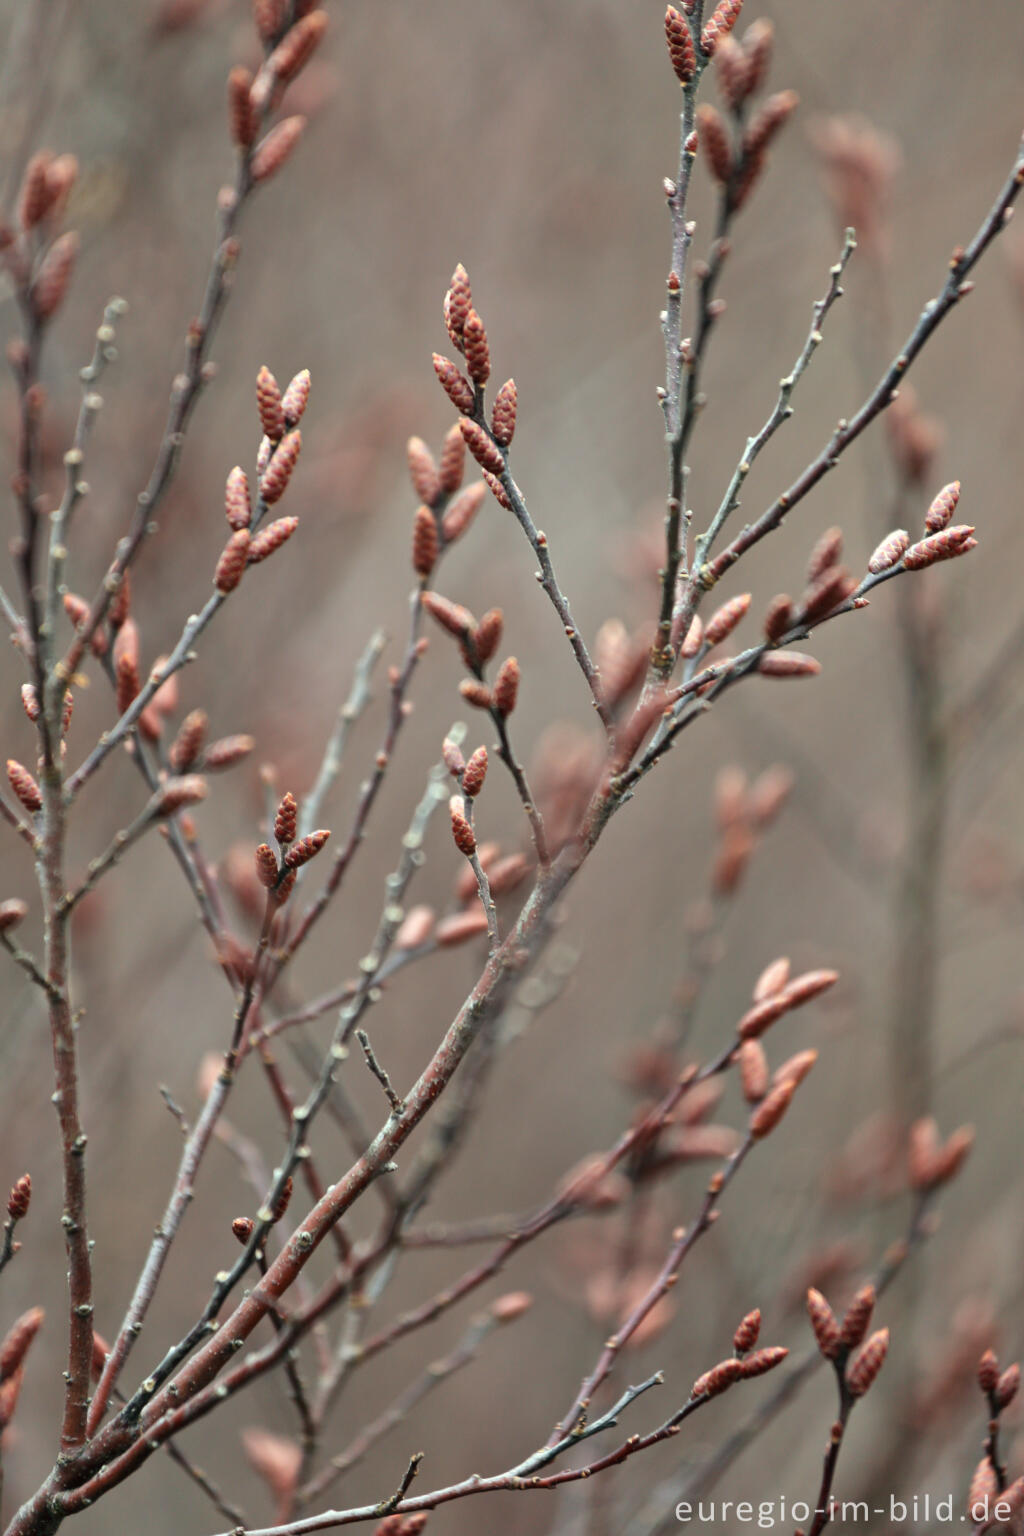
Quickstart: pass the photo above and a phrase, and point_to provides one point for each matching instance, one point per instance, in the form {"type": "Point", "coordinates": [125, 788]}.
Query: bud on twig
{"type": "Point", "coordinates": [423, 470]}
{"type": "Point", "coordinates": [506, 686]}
{"type": "Point", "coordinates": [279, 471]}
{"type": "Point", "coordinates": [24, 786]}
{"type": "Point", "coordinates": [424, 541]}
{"type": "Point", "coordinates": [823, 1321]}
{"type": "Point", "coordinates": [474, 773]}
{"type": "Point", "coordinates": [477, 352]}
{"type": "Point", "coordinates": [455, 384]}
{"type": "Point", "coordinates": [867, 1363]}
{"type": "Point", "coordinates": [746, 1335]}
{"type": "Point", "coordinates": [462, 832]}
{"type": "Point", "coordinates": [54, 275]}
{"type": "Point", "coordinates": [680, 45]}
{"type": "Point", "coordinates": [12, 912]}
{"type": "Point", "coordinates": [20, 1198]}
{"type": "Point", "coordinates": [858, 1317]}
{"type": "Point", "coordinates": [272, 152]}
{"type": "Point", "coordinates": [940, 513]}
{"type": "Point", "coordinates": [270, 538]}
{"type": "Point", "coordinates": [891, 550]}
{"type": "Point", "coordinates": [503, 414]}
{"type": "Point", "coordinates": [487, 454]}
{"type": "Point", "coordinates": [242, 119]}
{"type": "Point", "coordinates": [232, 562]}
{"type": "Point", "coordinates": [305, 849]}
{"type": "Point", "coordinates": [462, 511]}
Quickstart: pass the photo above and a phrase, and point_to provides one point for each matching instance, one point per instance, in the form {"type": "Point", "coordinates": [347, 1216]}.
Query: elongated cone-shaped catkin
{"type": "Point", "coordinates": [266, 865]}
{"type": "Point", "coordinates": [826, 594]}
{"type": "Point", "coordinates": [722, 20]}
{"type": "Point", "coordinates": [242, 119]}
{"type": "Point", "coordinates": [29, 701]}
{"type": "Point", "coordinates": [497, 490]}
{"type": "Point", "coordinates": [77, 610]}
{"type": "Point", "coordinates": [746, 1335]}
{"type": "Point", "coordinates": [795, 1068]}
{"type": "Point", "coordinates": [279, 471]}
{"type": "Point", "coordinates": [34, 195]}
{"type": "Point", "coordinates": [865, 1366]}
{"type": "Point", "coordinates": [416, 929]}
{"type": "Point", "coordinates": [823, 1321]}
{"type": "Point", "coordinates": [779, 618]}
{"type": "Point", "coordinates": [462, 832]}
{"type": "Point", "coordinates": [268, 403]}
{"type": "Point", "coordinates": [951, 1157]}
{"type": "Point", "coordinates": [763, 1360]}
{"type": "Point", "coordinates": [24, 786]}
{"type": "Point", "coordinates": [12, 912]}
{"type": "Point", "coordinates": [423, 470]}
{"type": "Point", "coordinates": [296, 398]}
{"type": "Point", "coordinates": [725, 619]}
{"type": "Point", "coordinates": [424, 541]}
{"type": "Point", "coordinates": [940, 513]}
{"type": "Point", "coordinates": [945, 545]}
{"type": "Point", "coordinates": [982, 1492]}
{"type": "Point", "coordinates": [20, 1197]}
{"type": "Point", "coordinates": [506, 686]}
{"type": "Point", "coordinates": [474, 774]}
{"type": "Point", "coordinates": [477, 351]}
{"type": "Point", "coordinates": [287, 819]}
{"type": "Point", "coordinates": [788, 664]}
{"type": "Point", "coordinates": [455, 384]}
{"type": "Point", "coordinates": [177, 793]}
{"type": "Point", "coordinates": [271, 538]}
{"type": "Point", "coordinates": [297, 46]}
{"type": "Point", "coordinates": [272, 152]}
{"type": "Point", "coordinates": [452, 462]}
{"type": "Point", "coordinates": [18, 1341]}
{"type": "Point", "coordinates": [226, 752]}
{"type": "Point", "coordinates": [237, 505]}
{"type": "Point", "coordinates": [54, 275]}
{"type": "Point", "coordinates": [461, 926]}
{"type": "Point", "coordinates": [680, 45]}
{"type": "Point", "coordinates": [754, 1074]}
{"type": "Point", "coordinates": [269, 16]}
{"type": "Point", "coordinates": [487, 454]}
{"type": "Point", "coordinates": [771, 980]}
{"type": "Point", "coordinates": [189, 742]}
{"type": "Point", "coordinates": [713, 138]}
{"type": "Point", "coordinates": [808, 985]}
{"type": "Point", "coordinates": [988, 1372]}
{"type": "Point", "coordinates": [232, 562]}
{"type": "Point", "coordinates": [475, 693]}
{"type": "Point", "coordinates": [771, 1110]}
{"type": "Point", "coordinates": [464, 508]}
{"type": "Point", "coordinates": [718, 1379]}
{"type": "Point", "coordinates": [305, 849]}
{"type": "Point", "coordinates": [458, 621]}
{"type": "Point", "coordinates": [891, 550]}
{"type": "Point", "coordinates": [858, 1316]}
{"type": "Point", "coordinates": [757, 45]}
{"type": "Point", "coordinates": [767, 122]}
{"type": "Point", "coordinates": [732, 70]}
{"type": "Point", "coordinates": [825, 554]}
{"type": "Point", "coordinates": [488, 634]}
{"type": "Point", "coordinates": [460, 301]}
{"type": "Point", "coordinates": [1007, 1386]}
{"type": "Point", "coordinates": [503, 415]}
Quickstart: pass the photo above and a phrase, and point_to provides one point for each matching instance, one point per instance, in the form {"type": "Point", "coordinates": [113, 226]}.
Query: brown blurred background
{"type": "Point", "coordinates": [529, 141]}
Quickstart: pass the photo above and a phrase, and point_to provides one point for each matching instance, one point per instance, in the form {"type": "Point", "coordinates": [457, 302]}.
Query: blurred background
{"type": "Point", "coordinates": [529, 141]}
